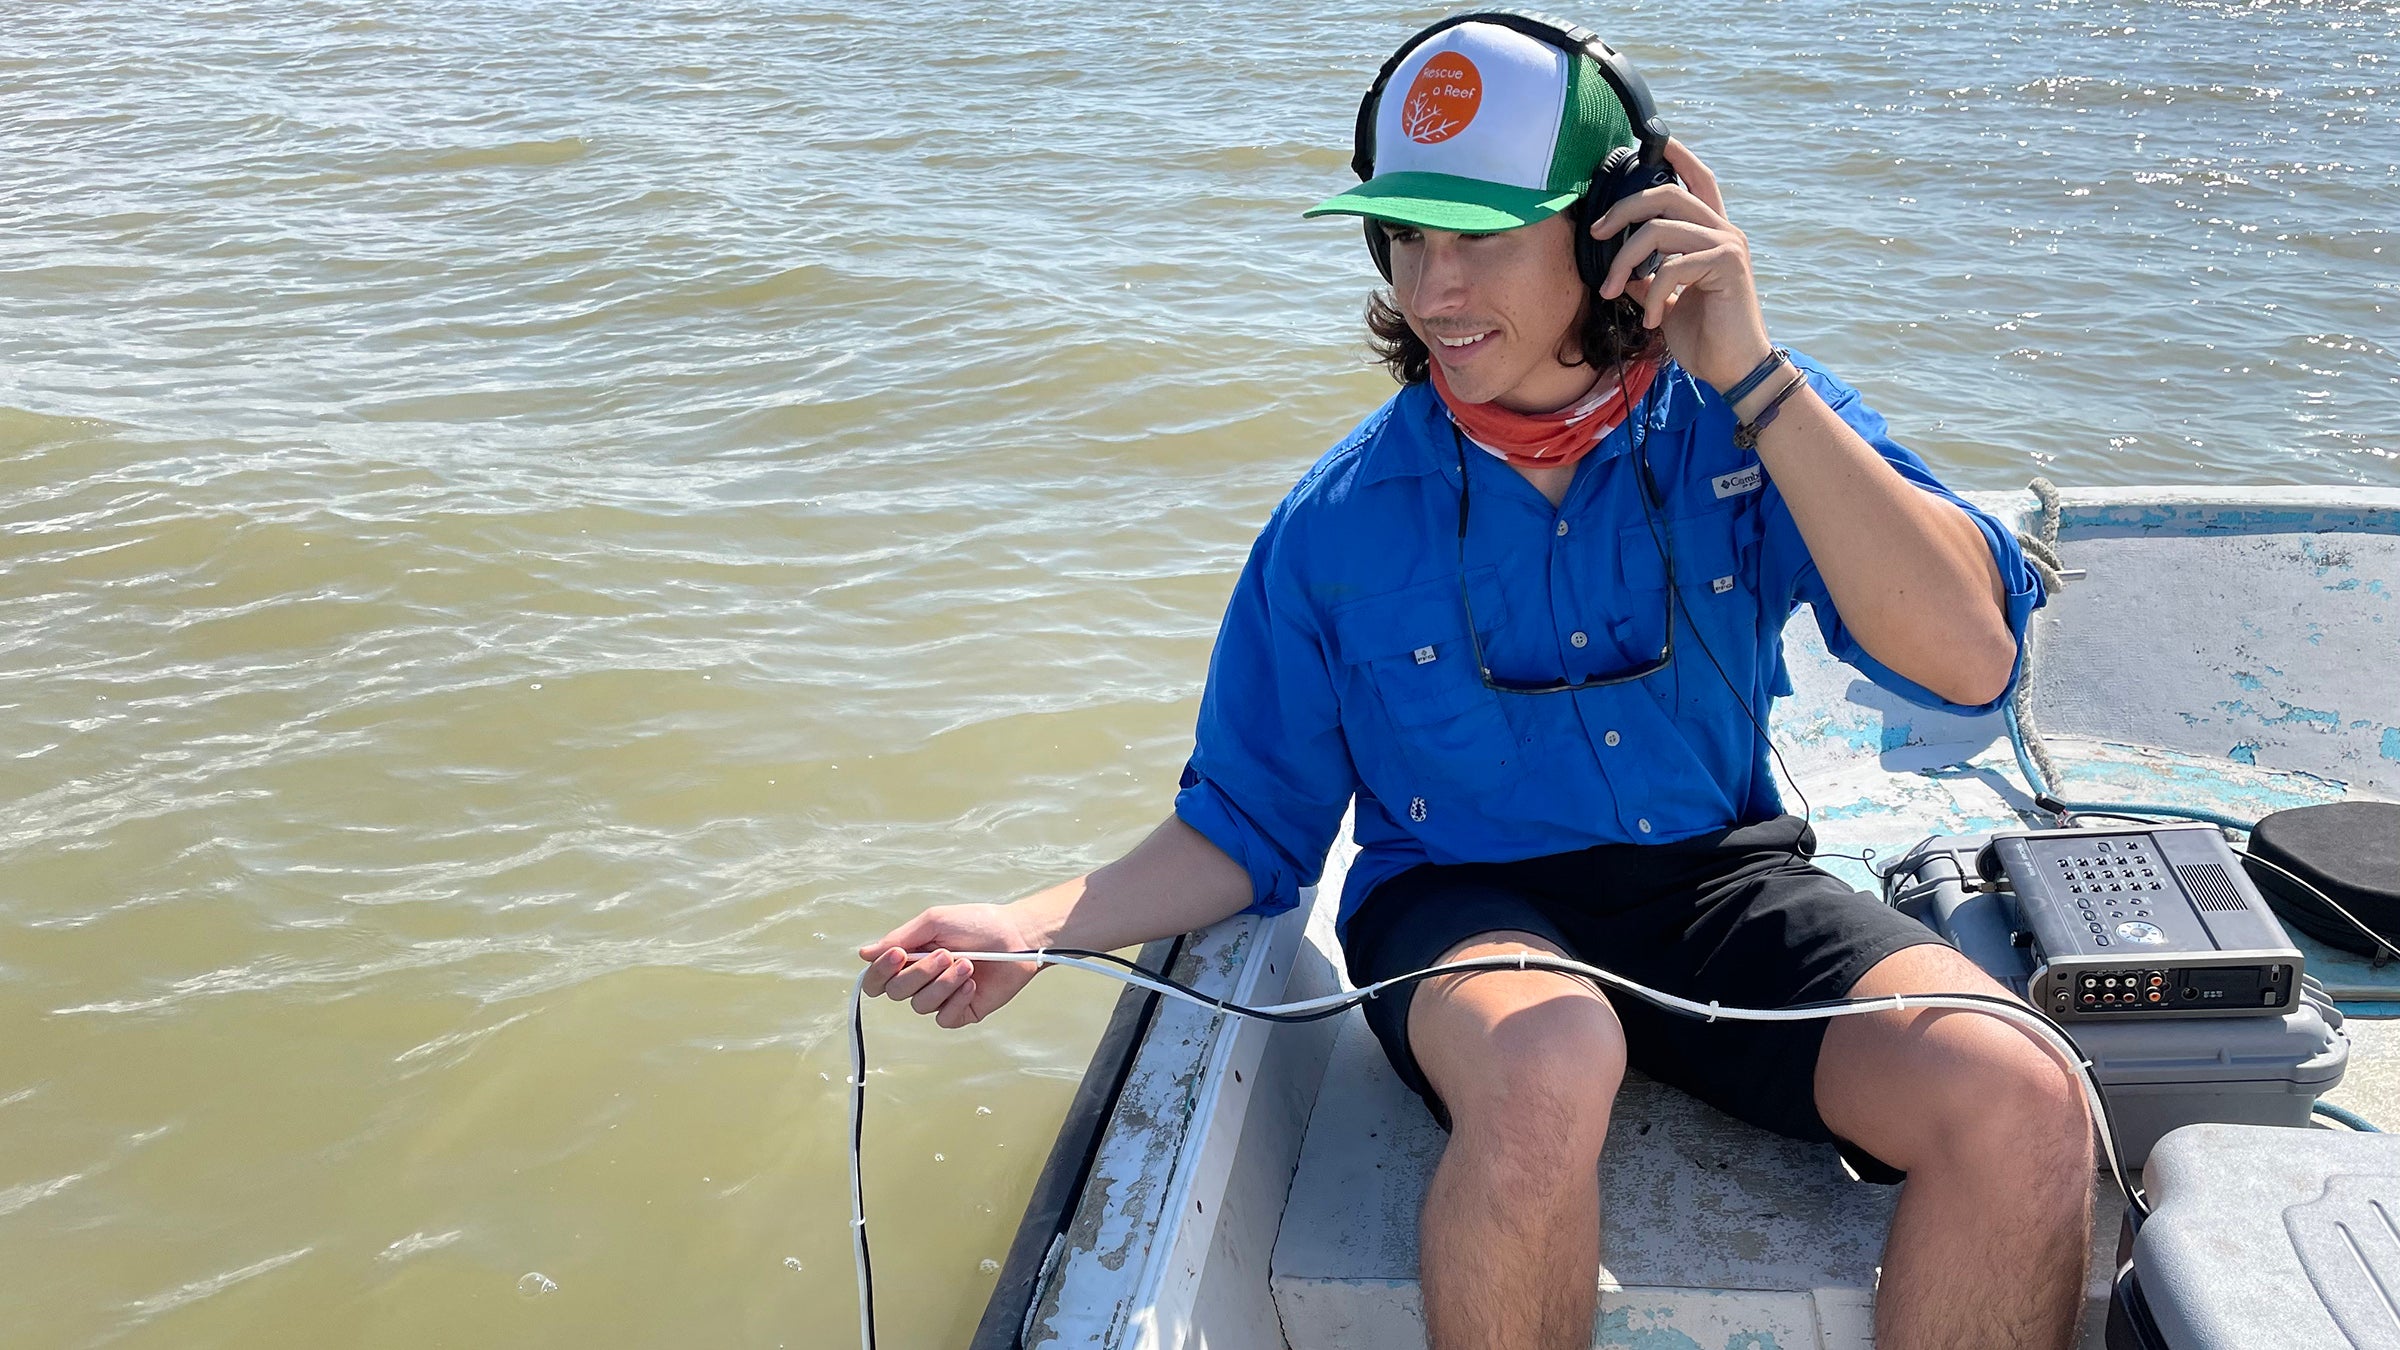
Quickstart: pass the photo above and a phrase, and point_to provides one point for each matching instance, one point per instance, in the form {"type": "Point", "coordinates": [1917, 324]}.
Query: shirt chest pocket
{"type": "Point", "coordinates": [1715, 574]}
{"type": "Point", "coordinates": [1408, 651]}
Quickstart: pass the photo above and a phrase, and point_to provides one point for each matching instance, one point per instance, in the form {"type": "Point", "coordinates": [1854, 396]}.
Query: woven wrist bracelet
{"type": "Point", "coordinates": [1745, 436]}
{"type": "Point", "coordinates": [1757, 376]}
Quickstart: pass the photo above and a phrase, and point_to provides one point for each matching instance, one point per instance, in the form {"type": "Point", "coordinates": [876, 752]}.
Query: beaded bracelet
{"type": "Point", "coordinates": [1745, 436]}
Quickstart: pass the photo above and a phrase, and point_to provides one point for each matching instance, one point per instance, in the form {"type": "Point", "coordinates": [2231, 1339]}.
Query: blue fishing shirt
{"type": "Point", "coordinates": [1343, 669]}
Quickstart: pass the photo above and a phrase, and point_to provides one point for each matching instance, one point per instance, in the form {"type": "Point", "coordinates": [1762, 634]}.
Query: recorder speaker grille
{"type": "Point", "coordinates": [2210, 885]}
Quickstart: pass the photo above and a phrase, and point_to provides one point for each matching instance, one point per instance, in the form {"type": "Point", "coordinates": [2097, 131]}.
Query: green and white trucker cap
{"type": "Point", "coordinates": [1482, 128]}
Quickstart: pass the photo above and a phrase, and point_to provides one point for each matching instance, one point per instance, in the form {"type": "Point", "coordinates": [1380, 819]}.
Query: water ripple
{"type": "Point", "coordinates": [526, 541]}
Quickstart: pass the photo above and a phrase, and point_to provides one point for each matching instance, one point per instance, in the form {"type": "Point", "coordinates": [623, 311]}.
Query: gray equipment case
{"type": "Point", "coordinates": [2264, 1238]}
{"type": "Point", "coordinates": [2155, 1074]}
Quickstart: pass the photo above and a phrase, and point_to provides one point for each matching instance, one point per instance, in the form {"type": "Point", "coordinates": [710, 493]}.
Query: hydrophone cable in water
{"type": "Point", "coordinates": [858, 1189]}
{"type": "Point", "coordinates": [1115, 967]}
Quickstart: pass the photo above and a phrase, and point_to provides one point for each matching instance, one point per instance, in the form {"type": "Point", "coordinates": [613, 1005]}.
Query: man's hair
{"type": "Point", "coordinates": [1612, 334]}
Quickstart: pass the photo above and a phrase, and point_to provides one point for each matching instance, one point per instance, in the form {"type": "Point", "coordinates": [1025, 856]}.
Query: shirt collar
{"type": "Point", "coordinates": [1414, 440]}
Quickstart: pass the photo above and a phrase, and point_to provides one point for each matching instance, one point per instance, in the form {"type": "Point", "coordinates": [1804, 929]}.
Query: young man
{"type": "Point", "coordinates": [1528, 616]}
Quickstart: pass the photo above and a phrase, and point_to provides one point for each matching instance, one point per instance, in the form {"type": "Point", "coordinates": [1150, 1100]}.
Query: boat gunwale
{"type": "Point", "coordinates": [1058, 1191]}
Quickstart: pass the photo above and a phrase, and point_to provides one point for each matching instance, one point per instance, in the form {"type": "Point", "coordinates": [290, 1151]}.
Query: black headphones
{"type": "Point", "coordinates": [1627, 169]}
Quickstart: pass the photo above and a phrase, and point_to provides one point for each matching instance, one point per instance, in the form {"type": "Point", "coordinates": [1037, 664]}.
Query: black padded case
{"type": "Point", "coordinates": [2350, 851]}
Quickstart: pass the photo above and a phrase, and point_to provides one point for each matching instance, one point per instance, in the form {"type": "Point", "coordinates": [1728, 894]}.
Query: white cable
{"type": "Point", "coordinates": [2057, 1043]}
{"type": "Point", "coordinates": [2251, 855]}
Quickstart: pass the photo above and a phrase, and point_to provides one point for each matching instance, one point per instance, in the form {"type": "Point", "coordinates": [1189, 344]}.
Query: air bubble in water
{"type": "Point", "coordinates": [987, 1265]}
{"type": "Point", "coordinates": [937, 1157]}
{"type": "Point", "coordinates": [535, 1284]}
{"type": "Point", "coordinates": [983, 1110]}
{"type": "Point", "coordinates": [792, 1261]}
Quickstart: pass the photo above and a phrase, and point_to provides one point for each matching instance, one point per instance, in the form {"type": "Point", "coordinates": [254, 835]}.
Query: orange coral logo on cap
{"type": "Point", "coordinates": [1442, 99]}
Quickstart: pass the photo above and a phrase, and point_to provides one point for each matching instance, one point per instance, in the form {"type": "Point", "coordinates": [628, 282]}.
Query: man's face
{"type": "Point", "coordinates": [1497, 310]}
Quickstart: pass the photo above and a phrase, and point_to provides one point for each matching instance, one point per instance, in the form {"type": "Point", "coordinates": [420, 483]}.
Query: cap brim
{"type": "Point", "coordinates": [1439, 201]}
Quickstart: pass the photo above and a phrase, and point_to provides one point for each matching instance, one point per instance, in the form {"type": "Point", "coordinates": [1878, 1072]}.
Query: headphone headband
{"type": "Point", "coordinates": [1631, 89]}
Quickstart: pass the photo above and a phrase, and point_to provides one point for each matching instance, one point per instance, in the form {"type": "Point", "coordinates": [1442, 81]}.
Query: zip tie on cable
{"type": "Point", "coordinates": [1712, 1010]}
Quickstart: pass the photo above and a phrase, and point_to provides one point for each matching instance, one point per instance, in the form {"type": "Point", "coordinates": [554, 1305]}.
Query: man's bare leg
{"type": "Point", "coordinates": [1528, 1064]}
{"type": "Point", "coordinates": [1993, 1233]}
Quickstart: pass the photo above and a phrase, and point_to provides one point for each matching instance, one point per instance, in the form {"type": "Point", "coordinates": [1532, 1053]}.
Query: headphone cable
{"type": "Point", "coordinates": [1675, 597]}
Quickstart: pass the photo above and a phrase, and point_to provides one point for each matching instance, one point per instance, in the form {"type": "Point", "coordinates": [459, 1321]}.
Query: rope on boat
{"type": "Point", "coordinates": [2033, 753]}
{"type": "Point", "coordinates": [2041, 547]}
{"type": "Point", "coordinates": [2041, 550]}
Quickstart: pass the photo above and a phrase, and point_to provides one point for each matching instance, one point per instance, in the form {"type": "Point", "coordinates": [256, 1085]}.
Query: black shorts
{"type": "Point", "coordinates": [1739, 916]}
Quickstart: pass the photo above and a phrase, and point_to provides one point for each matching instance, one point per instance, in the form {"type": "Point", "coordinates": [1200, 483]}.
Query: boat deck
{"type": "Point", "coordinates": [1716, 1233]}
{"type": "Point", "coordinates": [1719, 1234]}
{"type": "Point", "coordinates": [2228, 650]}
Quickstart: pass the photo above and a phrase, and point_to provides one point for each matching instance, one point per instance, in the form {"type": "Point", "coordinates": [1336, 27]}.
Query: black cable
{"type": "Point", "coordinates": [858, 1192]}
{"type": "Point", "coordinates": [1964, 880]}
{"type": "Point", "coordinates": [2116, 815]}
{"type": "Point", "coordinates": [1808, 810]}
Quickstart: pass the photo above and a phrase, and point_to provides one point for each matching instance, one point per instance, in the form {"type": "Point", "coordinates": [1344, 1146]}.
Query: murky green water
{"type": "Point", "coordinates": [528, 532]}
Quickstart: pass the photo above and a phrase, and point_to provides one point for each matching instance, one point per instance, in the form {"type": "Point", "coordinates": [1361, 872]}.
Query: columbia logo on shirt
{"type": "Point", "coordinates": [1739, 481]}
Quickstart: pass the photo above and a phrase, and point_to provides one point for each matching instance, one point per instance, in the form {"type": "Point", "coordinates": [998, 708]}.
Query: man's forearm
{"type": "Point", "coordinates": [1910, 573]}
{"type": "Point", "coordinates": [1172, 882]}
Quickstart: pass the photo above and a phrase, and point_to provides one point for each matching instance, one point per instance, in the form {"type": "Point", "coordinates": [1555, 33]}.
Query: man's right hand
{"type": "Point", "coordinates": [956, 991]}
{"type": "Point", "coordinates": [1175, 881]}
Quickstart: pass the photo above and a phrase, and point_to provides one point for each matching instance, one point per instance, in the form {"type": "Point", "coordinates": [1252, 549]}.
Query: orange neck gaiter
{"type": "Point", "coordinates": [1548, 440]}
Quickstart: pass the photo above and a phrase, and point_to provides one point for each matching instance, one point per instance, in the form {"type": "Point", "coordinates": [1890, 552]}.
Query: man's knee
{"type": "Point", "coordinates": [1525, 1061]}
{"type": "Point", "coordinates": [1990, 1103]}
{"type": "Point", "coordinates": [2012, 1103]}
{"type": "Point", "coordinates": [1946, 1090]}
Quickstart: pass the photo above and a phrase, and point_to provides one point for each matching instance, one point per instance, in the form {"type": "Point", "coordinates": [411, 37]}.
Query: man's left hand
{"type": "Point", "coordinates": [1702, 297]}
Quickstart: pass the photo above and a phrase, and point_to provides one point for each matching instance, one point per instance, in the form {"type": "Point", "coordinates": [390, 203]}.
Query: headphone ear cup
{"type": "Point", "coordinates": [1379, 247]}
{"type": "Point", "coordinates": [1593, 256]}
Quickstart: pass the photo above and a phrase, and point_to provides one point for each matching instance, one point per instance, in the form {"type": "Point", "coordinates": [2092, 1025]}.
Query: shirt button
{"type": "Point", "coordinates": [1611, 738]}
{"type": "Point", "coordinates": [1562, 529]}
{"type": "Point", "coordinates": [1577, 638]}
{"type": "Point", "coordinates": [1643, 824]}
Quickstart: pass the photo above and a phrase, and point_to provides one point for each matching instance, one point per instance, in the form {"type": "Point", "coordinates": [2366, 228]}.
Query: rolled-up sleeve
{"type": "Point", "coordinates": [2017, 578]}
{"type": "Point", "coordinates": [1270, 772]}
